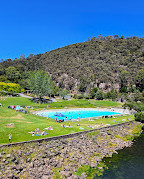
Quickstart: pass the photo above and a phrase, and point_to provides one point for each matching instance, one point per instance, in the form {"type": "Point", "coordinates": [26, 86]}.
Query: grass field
{"type": "Point", "coordinates": [24, 123]}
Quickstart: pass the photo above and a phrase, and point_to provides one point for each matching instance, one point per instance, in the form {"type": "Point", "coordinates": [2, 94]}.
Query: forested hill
{"type": "Point", "coordinates": [101, 61]}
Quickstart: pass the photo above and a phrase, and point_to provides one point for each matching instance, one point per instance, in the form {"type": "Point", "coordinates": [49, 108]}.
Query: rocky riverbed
{"type": "Point", "coordinates": [63, 158]}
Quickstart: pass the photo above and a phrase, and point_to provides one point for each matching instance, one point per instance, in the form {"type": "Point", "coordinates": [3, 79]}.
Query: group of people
{"type": "Point", "coordinates": [60, 120]}
{"type": "Point", "coordinates": [17, 108]}
{"type": "Point", "coordinates": [38, 132]}
{"type": "Point", "coordinates": [62, 125]}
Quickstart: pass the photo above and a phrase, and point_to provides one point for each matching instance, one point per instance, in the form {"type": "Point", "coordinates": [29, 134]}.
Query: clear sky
{"type": "Point", "coordinates": [37, 26]}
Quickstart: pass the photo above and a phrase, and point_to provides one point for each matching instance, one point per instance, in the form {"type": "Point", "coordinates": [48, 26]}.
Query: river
{"type": "Point", "coordinates": [128, 163]}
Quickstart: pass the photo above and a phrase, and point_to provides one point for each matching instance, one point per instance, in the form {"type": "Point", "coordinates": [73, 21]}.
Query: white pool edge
{"type": "Point", "coordinates": [118, 110]}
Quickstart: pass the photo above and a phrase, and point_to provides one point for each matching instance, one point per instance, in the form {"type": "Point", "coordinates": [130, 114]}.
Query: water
{"type": "Point", "coordinates": [128, 163]}
{"type": "Point", "coordinates": [76, 114]}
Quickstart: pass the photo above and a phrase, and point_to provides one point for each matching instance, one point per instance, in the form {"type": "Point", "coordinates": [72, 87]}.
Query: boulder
{"type": "Point", "coordinates": [45, 177]}
{"type": "Point", "coordinates": [8, 155]}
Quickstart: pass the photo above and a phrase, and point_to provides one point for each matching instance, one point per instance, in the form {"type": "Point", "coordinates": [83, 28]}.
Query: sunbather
{"type": "Point", "coordinates": [43, 132]}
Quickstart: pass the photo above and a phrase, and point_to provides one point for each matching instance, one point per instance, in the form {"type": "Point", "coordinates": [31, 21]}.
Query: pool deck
{"type": "Point", "coordinates": [118, 110]}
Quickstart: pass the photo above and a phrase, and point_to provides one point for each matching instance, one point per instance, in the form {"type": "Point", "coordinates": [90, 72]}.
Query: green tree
{"type": "Point", "coordinates": [56, 90]}
{"type": "Point", "coordinates": [22, 57]}
{"type": "Point", "coordinates": [139, 116]}
{"type": "Point", "coordinates": [140, 79]}
{"type": "Point", "coordinates": [3, 78]}
{"type": "Point", "coordinates": [93, 93]}
{"type": "Point", "coordinates": [100, 95]}
{"type": "Point", "coordinates": [62, 92]}
{"type": "Point", "coordinates": [124, 77]}
{"type": "Point", "coordinates": [40, 83]}
{"type": "Point", "coordinates": [83, 84]}
{"type": "Point", "coordinates": [1, 70]}
{"type": "Point", "coordinates": [12, 74]}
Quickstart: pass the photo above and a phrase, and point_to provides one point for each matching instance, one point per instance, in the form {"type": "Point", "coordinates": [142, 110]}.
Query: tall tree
{"type": "Point", "coordinates": [140, 79]}
{"type": "Point", "coordinates": [40, 83]}
{"type": "Point", "coordinates": [1, 70]}
{"type": "Point", "coordinates": [124, 79]}
{"type": "Point", "coordinates": [12, 74]}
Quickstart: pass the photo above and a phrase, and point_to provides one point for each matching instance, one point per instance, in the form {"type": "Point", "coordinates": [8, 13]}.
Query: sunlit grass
{"type": "Point", "coordinates": [24, 123]}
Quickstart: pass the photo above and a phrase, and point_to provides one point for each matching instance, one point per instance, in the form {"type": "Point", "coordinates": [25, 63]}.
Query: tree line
{"type": "Point", "coordinates": [114, 60]}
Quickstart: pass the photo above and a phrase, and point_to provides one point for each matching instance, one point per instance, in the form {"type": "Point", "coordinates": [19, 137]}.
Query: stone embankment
{"type": "Point", "coordinates": [62, 158]}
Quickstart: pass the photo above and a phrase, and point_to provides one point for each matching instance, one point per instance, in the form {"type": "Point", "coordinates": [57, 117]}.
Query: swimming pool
{"type": "Point", "coordinates": [76, 114]}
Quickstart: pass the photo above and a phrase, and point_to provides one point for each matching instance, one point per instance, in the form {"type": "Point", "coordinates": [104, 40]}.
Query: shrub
{"type": "Point", "coordinates": [88, 96]}
{"type": "Point", "coordinates": [139, 116]}
{"type": "Point", "coordinates": [100, 95]}
{"type": "Point", "coordinates": [80, 96]}
{"type": "Point", "coordinates": [10, 87]}
{"type": "Point", "coordinates": [22, 90]}
{"type": "Point", "coordinates": [75, 96]}
{"type": "Point", "coordinates": [93, 92]}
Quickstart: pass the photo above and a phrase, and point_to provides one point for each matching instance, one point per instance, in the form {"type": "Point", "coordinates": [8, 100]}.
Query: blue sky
{"type": "Point", "coordinates": [37, 26]}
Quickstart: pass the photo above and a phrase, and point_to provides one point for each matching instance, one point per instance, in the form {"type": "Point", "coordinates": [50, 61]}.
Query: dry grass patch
{"type": "Point", "coordinates": [9, 126]}
{"type": "Point", "coordinates": [24, 121]}
{"type": "Point", "coordinates": [19, 116]}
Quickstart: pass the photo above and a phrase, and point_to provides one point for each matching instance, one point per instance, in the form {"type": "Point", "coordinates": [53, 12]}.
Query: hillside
{"type": "Point", "coordinates": [108, 62]}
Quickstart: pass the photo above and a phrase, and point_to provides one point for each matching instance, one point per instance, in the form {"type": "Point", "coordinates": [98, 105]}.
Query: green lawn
{"type": "Point", "coordinates": [24, 123]}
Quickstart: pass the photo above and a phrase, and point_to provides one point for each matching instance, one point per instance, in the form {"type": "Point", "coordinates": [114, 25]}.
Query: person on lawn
{"type": "Point", "coordinates": [10, 136]}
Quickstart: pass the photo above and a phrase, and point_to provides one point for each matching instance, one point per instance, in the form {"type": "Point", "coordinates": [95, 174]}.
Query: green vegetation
{"type": "Point", "coordinates": [113, 61]}
{"type": "Point", "coordinates": [40, 83]}
{"type": "Point", "coordinates": [24, 123]}
{"type": "Point", "coordinates": [10, 87]}
{"type": "Point", "coordinates": [92, 172]}
{"type": "Point", "coordinates": [133, 133]}
{"type": "Point", "coordinates": [139, 117]}
{"type": "Point", "coordinates": [94, 133]}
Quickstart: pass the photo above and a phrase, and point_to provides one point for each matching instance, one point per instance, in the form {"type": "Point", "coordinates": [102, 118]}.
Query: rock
{"type": "Point", "coordinates": [20, 168]}
{"type": "Point", "coordinates": [67, 168]}
{"type": "Point", "coordinates": [67, 174]}
{"type": "Point", "coordinates": [59, 165]}
{"type": "Point", "coordinates": [13, 167]}
{"type": "Point", "coordinates": [3, 160]}
{"type": "Point", "coordinates": [93, 164]}
{"type": "Point", "coordinates": [16, 162]}
{"type": "Point", "coordinates": [100, 167]}
{"type": "Point", "coordinates": [19, 153]}
{"type": "Point", "coordinates": [83, 175]}
{"type": "Point", "coordinates": [40, 169]}
{"type": "Point", "coordinates": [11, 176]}
{"type": "Point", "coordinates": [27, 154]}
{"type": "Point", "coordinates": [45, 177]}
{"type": "Point", "coordinates": [8, 155]}
{"type": "Point", "coordinates": [28, 160]}
{"type": "Point", "coordinates": [83, 162]}
{"type": "Point", "coordinates": [74, 176]}
{"type": "Point", "coordinates": [1, 155]}
{"type": "Point", "coordinates": [31, 165]}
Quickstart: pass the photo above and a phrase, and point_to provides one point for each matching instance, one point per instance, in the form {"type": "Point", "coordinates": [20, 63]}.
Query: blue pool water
{"type": "Point", "coordinates": [76, 114]}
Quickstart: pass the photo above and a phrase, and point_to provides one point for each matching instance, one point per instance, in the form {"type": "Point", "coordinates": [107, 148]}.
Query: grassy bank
{"type": "Point", "coordinates": [24, 123]}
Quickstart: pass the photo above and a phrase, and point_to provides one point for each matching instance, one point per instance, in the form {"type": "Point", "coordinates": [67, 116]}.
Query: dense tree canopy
{"type": "Point", "coordinates": [12, 74]}
{"type": "Point", "coordinates": [140, 79]}
{"type": "Point", "coordinates": [109, 60]}
{"type": "Point", "coordinates": [40, 83]}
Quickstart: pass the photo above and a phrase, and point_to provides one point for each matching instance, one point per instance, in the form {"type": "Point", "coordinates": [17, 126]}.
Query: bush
{"type": "Point", "coordinates": [139, 116]}
{"type": "Point", "coordinates": [22, 90]}
{"type": "Point", "coordinates": [10, 87]}
{"type": "Point", "coordinates": [99, 95]}
{"type": "Point", "coordinates": [130, 105]}
{"type": "Point", "coordinates": [75, 96]}
{"type": "Point", "coordinates": [93, 92]}
{"type": "Point", "coordinates": [81, 96]}
{"type": "Point", "coordinates": [88, 96]}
